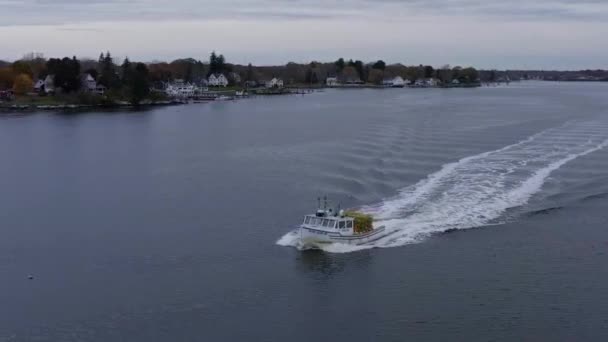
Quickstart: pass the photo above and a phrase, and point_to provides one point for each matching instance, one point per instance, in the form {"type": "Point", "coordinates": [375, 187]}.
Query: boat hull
{"type": "Point", "coordinates": [312, 236]}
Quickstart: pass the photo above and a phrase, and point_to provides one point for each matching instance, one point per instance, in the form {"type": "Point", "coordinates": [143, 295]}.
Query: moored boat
{"type": "Point", "coordinates": [328, 225]}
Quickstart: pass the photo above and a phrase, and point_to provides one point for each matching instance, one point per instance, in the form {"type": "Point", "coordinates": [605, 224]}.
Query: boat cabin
{"type": "Point", "coordinates": [324, 221]}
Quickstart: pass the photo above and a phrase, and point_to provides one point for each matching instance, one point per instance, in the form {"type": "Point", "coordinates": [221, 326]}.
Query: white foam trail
{"type": "Point", "coordinates": [477, 190]}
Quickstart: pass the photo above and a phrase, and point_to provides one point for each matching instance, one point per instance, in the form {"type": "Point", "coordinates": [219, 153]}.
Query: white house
{"type": "Point", "coordinates": [100, 89]}
{"type": "Point", "coordinates": [39, 85]}
{"type": "Point", "coordinates": [49, 84]}
{"type": "Point", "coordinates": [88, 83]}
{"type": "Point", "coordinates": [217, 80]}
{"type": "Point", "coordinates": [179, 88]}
{"type": "Point", "coordinates": [431, 82]}
{"type": "Point", "coordinates": [274, 83]}
{"type": "Point", "coordinates": [332, 82]}
{"type": "Point", "coordinates": [396, 82]}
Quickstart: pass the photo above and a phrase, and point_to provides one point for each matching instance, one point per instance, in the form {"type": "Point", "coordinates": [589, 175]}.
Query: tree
{"type": "Point", "coordinates": [23, 84]}
{"type": "Point", "coordinates": [429, 71]}
{"type": "Point", "coordinates": [360, 69]}
{"type": "Point", "coordinates": [350, 74]}
{"type": "Point", "coordinates": [340, 64]}
{"type": "Point", "coordinates": [380, 65]}
{"type": "Point", "coordinates": [217, 64]}
{"type": "Point", "coordinates": [107, 72]}
{"type": "Point", "coordinates": [469, 75]}
{"type": "Point", "coordinates": [7, 78]}
{"type": "Point", "coordinates": [311, 77]}
{"type": "Point", "coordinates": [445, 74]}
{"type": "Point", "coordinates": [22, 67]}
{"type": "Point", "coordinates": [126, 72]}
{"type": "Point", "coordinates": [375, 76]}
{"type": "Point", "coordinates": [140, 83]}
{"type": "Point", "coordinates": [250, 76]}
{"type": "Point", "coordinates": [67, 73]}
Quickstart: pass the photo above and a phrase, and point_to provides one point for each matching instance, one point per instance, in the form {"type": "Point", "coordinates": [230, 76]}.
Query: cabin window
{"type": "Point", "coordinates": [307, 220]}
{"type": "Point", "coordinates": [342, 224]}
{"type": "Point", "coordinates": [315, 221]}
{"type": "Point", "coordinates": [332, 224]}
{"type": "Point", "coordinates": [326, 223]}
{"type": "Point", "coordinates": [349, 224]}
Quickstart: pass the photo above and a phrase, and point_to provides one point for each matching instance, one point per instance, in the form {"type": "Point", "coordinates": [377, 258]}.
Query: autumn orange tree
{"type": "Point", "coordinates": [7, 78]}
{"type": "Point", "coordinates": [23, 84]}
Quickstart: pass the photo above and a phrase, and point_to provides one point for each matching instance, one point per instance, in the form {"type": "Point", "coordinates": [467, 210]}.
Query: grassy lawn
{"type": "Point", "coordinates": [38, 100]}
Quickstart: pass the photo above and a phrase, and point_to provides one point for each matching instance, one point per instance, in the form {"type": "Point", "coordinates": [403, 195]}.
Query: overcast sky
{"type": "Point", "coordinates": [547, 34]}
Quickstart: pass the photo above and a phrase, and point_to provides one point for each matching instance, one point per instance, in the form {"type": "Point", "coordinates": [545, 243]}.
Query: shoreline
{"type": "Point", "coordinates": [11, 107]}
{"type": "Point", "coordinates": [7, 107]}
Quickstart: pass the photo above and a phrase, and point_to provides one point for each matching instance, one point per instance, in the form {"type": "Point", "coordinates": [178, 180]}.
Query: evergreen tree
{"type": "Point", "coordinates": [66, 72]}
{"type": "Point", "coordinates": [380, 65]}
{"type": "Point", "coordinates": [126, 72]}
{"type": "Point", "coordinates": [107, 74]}
{"type": "Point", "coordinates": [213, 67]}
{"type": "Point", "coordinates": [250, 76]}
{"type": "Point", "coordinates": [340, 64]}
{"type": "Point", "coordinates": [140, 83]}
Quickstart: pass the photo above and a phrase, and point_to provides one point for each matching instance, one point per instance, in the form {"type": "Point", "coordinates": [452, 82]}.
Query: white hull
{"type": "Point", "coordinates": [311, 236]}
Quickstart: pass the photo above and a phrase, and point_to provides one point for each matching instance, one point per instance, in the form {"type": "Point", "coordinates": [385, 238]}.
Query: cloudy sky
{"type": "Point", "coordinates": [548, 34]}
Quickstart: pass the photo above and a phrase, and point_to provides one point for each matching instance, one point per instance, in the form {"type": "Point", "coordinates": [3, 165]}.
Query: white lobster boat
{"type": "Point", "coordinates": [329, 226]}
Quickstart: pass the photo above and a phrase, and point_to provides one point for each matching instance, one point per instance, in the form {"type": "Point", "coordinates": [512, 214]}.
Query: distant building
{"type": "Point", "coordinates": [352, 80]}
{"type": "Point", "coordinates": [274, 83]}
{"type": "Point", "coordinates": [179, 88]}
{"type": "Point", "coordinates": [395, 82]}
{"type": "Point", "coordinates": [332, 82]}
{"type": "Point", "coordinates": [88, 83]}
{"type": "Point", "coordinates": [100, 89]}
{"type": "Point", "coordinates": [431, 82]}
{"type": "Point", "coordinates": [251, 84]}
{"type": "Point", "coordinates": [217, 80]}
{"type": "Point", "coordinates": [6, 95]}
{"type": "Point", "coordinates": [49, 84]}
{"type": "Point", "coordinates": [39, 86]}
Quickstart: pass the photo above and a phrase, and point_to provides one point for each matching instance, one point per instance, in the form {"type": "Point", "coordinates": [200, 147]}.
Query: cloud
{"type": "Point", "coordinates": [40, 12]}
{"type": "Point", "coordinates": [485, 33]}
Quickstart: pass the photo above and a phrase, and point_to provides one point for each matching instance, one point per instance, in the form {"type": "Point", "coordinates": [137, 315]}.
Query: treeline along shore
{"type": "Point", "coordinates": [68, 82]}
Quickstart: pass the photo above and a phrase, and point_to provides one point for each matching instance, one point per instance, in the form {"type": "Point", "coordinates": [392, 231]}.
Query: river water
{"type": "Point", "coordinates": [175, 224]}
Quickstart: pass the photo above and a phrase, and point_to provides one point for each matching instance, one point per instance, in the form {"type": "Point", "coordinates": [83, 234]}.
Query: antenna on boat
{"type": "Point", "coordinates": [318, 202]}
{"type": "Point", "coordinates": [325, 202]}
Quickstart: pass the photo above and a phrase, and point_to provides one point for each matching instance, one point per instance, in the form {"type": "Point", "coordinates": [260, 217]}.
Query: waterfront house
{"type": "Point", "coordinates": [274, 83]}
{"type": "Point", "coordinates": [39, 85]}
{"type": "Point", "coordinates": [88, 83]}
{"type": "Point", "coordinates": [395, 82]}
{"type": "Point", "coordinates": [420, 83]}
{"type": "Point", "coordinates": [455, 82]}
{"type": "Point", "coordinates": [251, 84]}
{"type": "Point", "coordinates": [179, 88]}
{"type": "Point", "coordinates": [49, 84]}
{"type": "Point", "coordinates": [100, 89]}
{"type": "Point", "coordinates": [431, 82]}
{"type": "Point", "coordinates": [6, 95]}
{"type": "Point", "coordinates": [352, 80]}
{"type": "Point", "coordinates": [217, 80]}
{"type": "Point", "coordinates": [332, 82]}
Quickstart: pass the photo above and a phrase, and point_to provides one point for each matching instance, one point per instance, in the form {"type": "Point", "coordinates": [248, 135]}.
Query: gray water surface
{"type": "Point", "coordinates": [163, 225]}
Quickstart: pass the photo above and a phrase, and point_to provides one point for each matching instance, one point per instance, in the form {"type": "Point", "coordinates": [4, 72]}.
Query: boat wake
{"type": "Point", "coordinates": [478, 190]}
